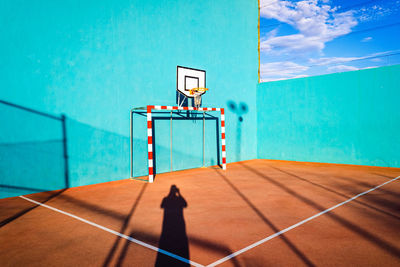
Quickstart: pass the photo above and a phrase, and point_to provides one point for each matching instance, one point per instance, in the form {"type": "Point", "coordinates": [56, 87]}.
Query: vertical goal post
{"type": "Point", "coordinates": [150, 155]}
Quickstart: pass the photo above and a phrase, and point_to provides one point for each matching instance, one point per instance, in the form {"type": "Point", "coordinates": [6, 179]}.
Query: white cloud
{"type": "Point", "coordinates": [341, 68]}
{"type": "Point", "coordinates": [300, 76]}
{"type": "Point", "coordinates": [376, 59]}
{"type": "Point", "coordinates": [294, 42]}
{"type": "Point", "coordinates": [282, 70]}
{"type": "Point", "coordinates": [366, 39]}
{"type": "Point", "coordinates": [375, 12]}
{"type": "Point", "coordinates": [323, 61]}
{"type": "Point", "coordinates": [370, 67]}
{"type": "Point", "coordinates": [316, 21]}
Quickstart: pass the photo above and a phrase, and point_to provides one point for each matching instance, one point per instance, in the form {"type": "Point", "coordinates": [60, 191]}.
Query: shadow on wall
{"type": "Point", "coordinates": [42, 152]}
{"type": "Point", "coordinates": [173, 237]}
{"type": "Point", "coordinates": [33, 151]}
{"type": "Point", "coordinates": [239, 109]}
{"type": "Point", "coordinates": [96, 155]}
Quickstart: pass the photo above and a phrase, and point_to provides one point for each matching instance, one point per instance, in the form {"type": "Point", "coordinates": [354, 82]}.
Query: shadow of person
{"type": "Point", "coordinates": [173, 237]}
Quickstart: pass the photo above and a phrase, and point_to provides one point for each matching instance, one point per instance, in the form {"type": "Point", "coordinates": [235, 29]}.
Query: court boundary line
{"type": "Point", "coordinates": [262, 241]}
{"type": "Point", "coordinates": [131, 239]}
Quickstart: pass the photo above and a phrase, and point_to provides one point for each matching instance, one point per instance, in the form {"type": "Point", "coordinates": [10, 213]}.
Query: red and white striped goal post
{"type": "Point", "coordinates": [149, 109]}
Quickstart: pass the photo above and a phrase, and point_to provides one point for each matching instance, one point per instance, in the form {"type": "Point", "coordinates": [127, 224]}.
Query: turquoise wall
{"type": "Point", "coordinates": [93, 61]}
{"type": "Point", "coordinates": [351, 117]}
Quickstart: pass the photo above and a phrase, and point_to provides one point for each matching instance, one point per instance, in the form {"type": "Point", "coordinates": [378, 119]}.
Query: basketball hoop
{"type": "Point", "coordinates": [196, 93]}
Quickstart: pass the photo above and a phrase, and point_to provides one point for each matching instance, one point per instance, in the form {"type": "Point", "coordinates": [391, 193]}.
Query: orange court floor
{"type": "Point", "coordinates": [256, 213]}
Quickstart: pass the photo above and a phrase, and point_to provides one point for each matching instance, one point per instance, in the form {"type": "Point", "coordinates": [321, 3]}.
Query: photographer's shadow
{"type": "Point", "coordinates": [173, 237]}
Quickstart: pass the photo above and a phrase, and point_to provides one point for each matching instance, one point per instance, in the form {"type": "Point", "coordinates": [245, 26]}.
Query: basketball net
{"type": "Point", "coordinates": [197, 92]}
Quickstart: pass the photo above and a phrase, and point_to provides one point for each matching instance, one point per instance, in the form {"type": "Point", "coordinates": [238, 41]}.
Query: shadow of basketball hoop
{"type": "Point", "coordinates": [239, 109]}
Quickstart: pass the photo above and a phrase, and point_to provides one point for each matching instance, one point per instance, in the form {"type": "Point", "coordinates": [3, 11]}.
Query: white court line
{"type": "Point", "coordinates": [295, 225]}
{"type": "Point", "coordinates": [117, 233]}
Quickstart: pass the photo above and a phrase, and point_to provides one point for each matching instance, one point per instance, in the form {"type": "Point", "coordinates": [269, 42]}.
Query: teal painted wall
{"type": "Point", "coordinates": [351, 117]}
{"type": "Point", "coordinates": [95, 60]}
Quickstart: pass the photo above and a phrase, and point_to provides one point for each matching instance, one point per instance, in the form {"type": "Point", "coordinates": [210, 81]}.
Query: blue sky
{"type": "Point", "coordinates": [314, 37]}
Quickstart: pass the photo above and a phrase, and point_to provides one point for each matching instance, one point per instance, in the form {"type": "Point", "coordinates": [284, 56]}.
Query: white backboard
{"type": "Point", "coordinates": [188, 78]}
